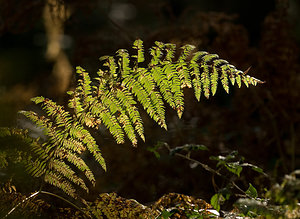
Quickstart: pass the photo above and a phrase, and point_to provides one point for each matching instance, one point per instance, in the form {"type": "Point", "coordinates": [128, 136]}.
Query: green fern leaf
{"type": "Point", "coordinates": [205, 80]}
{"type": "Point", "coordinates": [187, 49]}
{"type": "Point", "coordinates": [124, 62]}
{"type": "Point", "coordinates": [238, 80]}
{"type": "Point", "coordinates": [198, 56]}
{"type": "Point", "coordinates": [129, 129]}
{"type": "Point", "coordinates": [109, 120]}
{"type": "Point", "coordinates": [60, 116]}
{"type": "Point", "coordinates": [58, 182]}
{"type": "Point", "coordinates": [245, 80]}
{"type": "Point", "coordinates": [82, 134]}
{"type": "Point", "coordinates": [73, 145]}
{"type": "Point", "coordinates": [128, 103]}
{"type": "Point", "coordinates": [91, 145]}
{"type": "Point", "coordinates": [112, 66]}
{"type": "Point", "coordinates": [41, 122]}
{"type": "Point", "coordinates": [75, 103]}
{"type": "Point", "coordinates": [36, 168]}
{"type": "Point", "coordinates": [156, 52]}
{"type": "Point", "coordinates": [174, 82]}
{"type": "Point", "coordinates": [184, 75]}
{"type": "Point", "coordinates": [224, 77]}
{"type": "Point", "coordinates": [165, 76]}
{"type": "Point", "coordinates": [84, 86]}
{"type": "Point", "coordinates": [77, 161]}
{"type": "Point", "coordinates": [148, 83]}
{"type": "Point", "coordinates": [254, 81]}
{"type": "Point", "coordinates": [232, 79]}
{"type": "Point", "coordinates": [62, 168]}
{"type": "Point", "coordinates": [170, 52]}
{"type": "Point", "coordinates": [214, 80]}
{"type": "Point", "coordinates": [194, 68]}
{"type": "Point", "coordinates": [195, 72]}
{"type": "Point", "coordinates": [160, 77]}
{"type": "Point", "coordinates": [143, 97]}
{"type": "Point", "coordinates": [138, 45]}
{"type": "Point", "coordinates": [182, 68]}
{"type": "Point", "coordinates": [114, 106]}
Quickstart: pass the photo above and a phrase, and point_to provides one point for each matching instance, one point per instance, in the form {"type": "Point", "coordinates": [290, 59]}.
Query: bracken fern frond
{"type": "Point", "coordinates": [113, 98]}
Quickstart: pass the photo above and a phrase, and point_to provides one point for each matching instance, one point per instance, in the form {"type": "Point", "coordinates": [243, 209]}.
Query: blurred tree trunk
{"type": "Point", "coordinates": [55, 14]}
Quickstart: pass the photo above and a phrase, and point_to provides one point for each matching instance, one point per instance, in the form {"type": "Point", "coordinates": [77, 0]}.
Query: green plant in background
{"type": "Point", "coordinates": [288, 192]}
{"type": "Point", "coordinates": [235, 167]}
{"type": "Point", "coordinates": [280, 201]}
{"type": "Point", "coordinates": [113, 99]}
{"type": "Point", "coordinates": [232, 163]}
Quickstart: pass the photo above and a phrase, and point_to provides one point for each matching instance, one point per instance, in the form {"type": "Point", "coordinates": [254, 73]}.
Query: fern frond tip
{"type": "Point", "coordinates": [38, 100]}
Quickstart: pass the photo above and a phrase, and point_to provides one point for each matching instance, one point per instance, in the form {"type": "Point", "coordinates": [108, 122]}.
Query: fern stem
{"type": "Point", "coordinates": [47, 193]}
{"type": "Point", "coordinates": [70, 203]}
{"type": "Point", "coordinates": [24, 200]}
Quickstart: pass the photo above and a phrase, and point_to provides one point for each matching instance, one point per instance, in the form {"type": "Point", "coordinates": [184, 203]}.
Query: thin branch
{"type": "Point", "coordinates": [24, 200]}
{"type": "Point", "coordinates": [206, 167]}
{"type": "Point", "coordinates": [47, 193]}
{"type": "Point", "coordinates": [70, 203]}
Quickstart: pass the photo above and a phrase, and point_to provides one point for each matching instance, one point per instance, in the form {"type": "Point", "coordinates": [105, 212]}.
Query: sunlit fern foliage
{"type": "Point", "coordinates": [123, 83]}
{"type": "Point", "coordinates": [67, 140]}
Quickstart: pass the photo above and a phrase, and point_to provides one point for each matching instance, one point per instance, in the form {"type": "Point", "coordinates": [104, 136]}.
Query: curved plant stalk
{"type": "Point", "coordinates": [47, 193]}
{"type": "Point", "coordinates": [23, 201]}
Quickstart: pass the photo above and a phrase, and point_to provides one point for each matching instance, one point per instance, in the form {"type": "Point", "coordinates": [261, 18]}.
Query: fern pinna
{"type": "Point", "coordinates": [112, 99]}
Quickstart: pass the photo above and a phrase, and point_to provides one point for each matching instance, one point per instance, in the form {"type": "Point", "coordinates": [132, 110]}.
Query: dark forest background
{"type": "Point", "coordinates": [41, 43]}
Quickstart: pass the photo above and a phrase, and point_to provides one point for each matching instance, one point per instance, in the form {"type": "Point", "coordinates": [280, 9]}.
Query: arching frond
{"type": "Point", "coordinates": [124, 84]}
